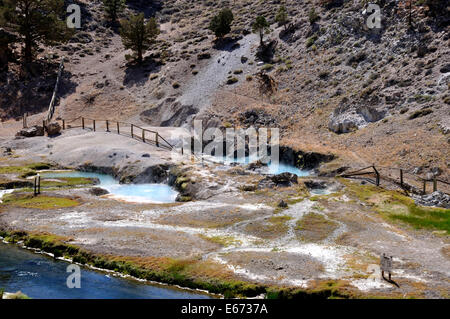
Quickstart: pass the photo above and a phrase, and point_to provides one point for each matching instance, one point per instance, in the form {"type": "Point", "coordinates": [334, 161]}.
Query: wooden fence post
{"type": "Point", "coordinates": [157, 141]}
{"type": "Point", "coordinates": [118, 128]}
{"type": "Point", "coordinates": [377, 176]}
{"type": "Point", "coordinates": [82, 122]}
{"type": "Point", "coordinates": [64, 124]}
{"type": "Point", "coordinates": [93, 122]}
{"type": "Point", "coordinates": [401, 178]}
{"type": "Point", "coordinates": [39, 184]}
{"type": "Point", "coordinates": [434, 184]}
{"type": "Point", "coordinates": [143, 135]}
{"type": "Point", "coordinates": [131, 130]}
{"type": "Point", "coordinates": [107, 126]}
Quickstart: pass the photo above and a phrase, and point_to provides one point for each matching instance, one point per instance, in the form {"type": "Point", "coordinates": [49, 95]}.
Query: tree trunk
{"type": "Point", "coordinates": [28, 49]}
{"type": "Point", "coordinates": [261, 36]}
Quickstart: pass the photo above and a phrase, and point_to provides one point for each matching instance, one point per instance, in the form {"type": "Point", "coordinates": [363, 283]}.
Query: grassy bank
{"type": "Point", "coordinates": [195, 274]}
{"type": "Point", "coordinates": [396, 206]}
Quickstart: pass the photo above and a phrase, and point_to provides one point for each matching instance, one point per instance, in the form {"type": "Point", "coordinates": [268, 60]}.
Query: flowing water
{"type": "Point", "coordinates": [39, 276]}
{"type": "Point", "coordinates": [142, 193]}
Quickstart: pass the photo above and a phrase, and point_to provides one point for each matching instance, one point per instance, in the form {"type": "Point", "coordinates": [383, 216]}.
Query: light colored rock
{"type": "Point", "coordinates": [346, 118]}
{"type": "Point", "coordinates": [31, 131]}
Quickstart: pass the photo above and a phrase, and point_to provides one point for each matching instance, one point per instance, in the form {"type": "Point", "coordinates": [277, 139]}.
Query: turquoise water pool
{"type": "Point", "coordinates": [142, 193]}
{"type": "Point", "coordinates": [273, 168]}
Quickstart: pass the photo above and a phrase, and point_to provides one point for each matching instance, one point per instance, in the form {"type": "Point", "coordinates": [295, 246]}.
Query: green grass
{"type": "Point", "coordinates": [67, 182]}
{"type": "Point", "coordinates": [39, 202]}
{"type": "Point", "coordinates": [224, 241]}
{"type": "Point", "coordinates": [398, 207]}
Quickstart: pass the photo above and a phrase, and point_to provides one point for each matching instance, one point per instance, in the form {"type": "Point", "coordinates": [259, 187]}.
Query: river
{"type": "Point", "coordinates": [40, 276]}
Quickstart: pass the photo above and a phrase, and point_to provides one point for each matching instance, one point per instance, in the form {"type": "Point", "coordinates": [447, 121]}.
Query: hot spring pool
{"type": "Point", "coordinates": [272, 167]}
{"type": "Point", "coordinates": [141, 193]}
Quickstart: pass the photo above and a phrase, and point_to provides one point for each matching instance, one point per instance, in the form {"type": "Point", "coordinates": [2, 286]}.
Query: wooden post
{"type": "Point", "coordinates": [118, 128]}
{"type": "Point", "coordinates": [93, 121]}
{"type": "Point", "coordinates": [401, 178]}
{"type": "Point", "coordinates": [82, 122]}
{"type": "Point", "coordinates": [39, 184]}
{"type": "Point", "coordinates": [377, 176]}
{"type": "Point", "coordinates": [143, 135]}
{"type": "Point", "coordinates": [424, 186]}
{"type": "Point", "coordinates": [107, 126]}
{"type": "Point", "coordinates": [131, 130]}
{"type": "Point", "coordinates": [157, 141]}
{"type": "Point", "coordinates": [434, 184]}
{"type": "Point", "coordinates": [64, 124]}
{"type": "Point", "coordinates": [34, 188]}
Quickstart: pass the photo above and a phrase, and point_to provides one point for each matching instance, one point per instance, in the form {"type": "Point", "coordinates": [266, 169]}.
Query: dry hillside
{"type": "Point", "coordinates": [368, 96]}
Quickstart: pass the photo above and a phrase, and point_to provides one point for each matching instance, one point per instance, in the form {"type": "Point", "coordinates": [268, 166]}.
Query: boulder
{"type": "Point", "coordinates": [98, 191]}
{"type": "Point", "coordinates": [283, 180]}
{"type": "Point", "coordinates": [31, 131]}
{"type": "Point", "coordinates": [282, 204]}
{"type": "Point", "coordinates": [346, 118]}
{"type": "Point", "coordinates": [53, 129]}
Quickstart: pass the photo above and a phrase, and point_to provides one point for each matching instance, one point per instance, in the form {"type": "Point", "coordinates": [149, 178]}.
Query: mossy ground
{"type": "Point", "coordinates": [397, 207]}
{"type": "Point", "coordinates": [314, 227]}
{"type": "Point", "coordinates": [224, 241]}
{"type": "Point", "coordinates": [38, 202]}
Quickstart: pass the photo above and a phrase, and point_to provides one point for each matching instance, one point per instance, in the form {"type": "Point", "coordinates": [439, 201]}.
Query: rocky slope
{"type": "Point", "coordinates": [368, 96]}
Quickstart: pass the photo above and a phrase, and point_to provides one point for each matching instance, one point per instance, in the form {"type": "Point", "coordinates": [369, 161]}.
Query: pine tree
{"type": "Point", "coordinates": [260, 26]}
{"type": "Point", "coordinates": [138, 35]}
{"type": "Point", "coordinates": [221, 23]}
{"type": "Point", "coordinates": [36, 21]}
{"type": "Point", "coordinates": [282, 17]}
{"type": "Point", "coordinates": [113, 8]}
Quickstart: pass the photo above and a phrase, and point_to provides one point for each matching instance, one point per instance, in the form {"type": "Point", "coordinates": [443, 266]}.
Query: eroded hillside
{"type": "Point", "coordinates": [367, 95]}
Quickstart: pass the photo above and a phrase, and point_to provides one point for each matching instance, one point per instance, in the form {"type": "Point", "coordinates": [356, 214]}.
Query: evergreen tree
{"type": "Point", "coordinates": [35, 21]}
{"type": "Point", "coordinates": [221, 23]}
{"type": "Point", "coordinates": [260, 26]}
{"type": "Point", "coordinates": [137, 34]}
{"type": "Point", "coordinates": [113, 8]}
{"type": "Point", "coordinates": [282, 17]}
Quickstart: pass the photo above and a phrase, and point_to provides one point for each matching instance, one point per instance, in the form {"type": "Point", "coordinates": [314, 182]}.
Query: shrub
{"type": "Point", "coordinates": [221, 23]}
{"type": "Point", "coordinates": [313, 16]}
{"type": "Point", "coordinates": [310, 41]}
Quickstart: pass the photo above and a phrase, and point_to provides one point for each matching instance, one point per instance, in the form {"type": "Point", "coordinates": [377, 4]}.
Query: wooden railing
{"type": "Point", "coordinates": [136, 132]}
{"type": "Point", "coordinates": [404, 179]}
